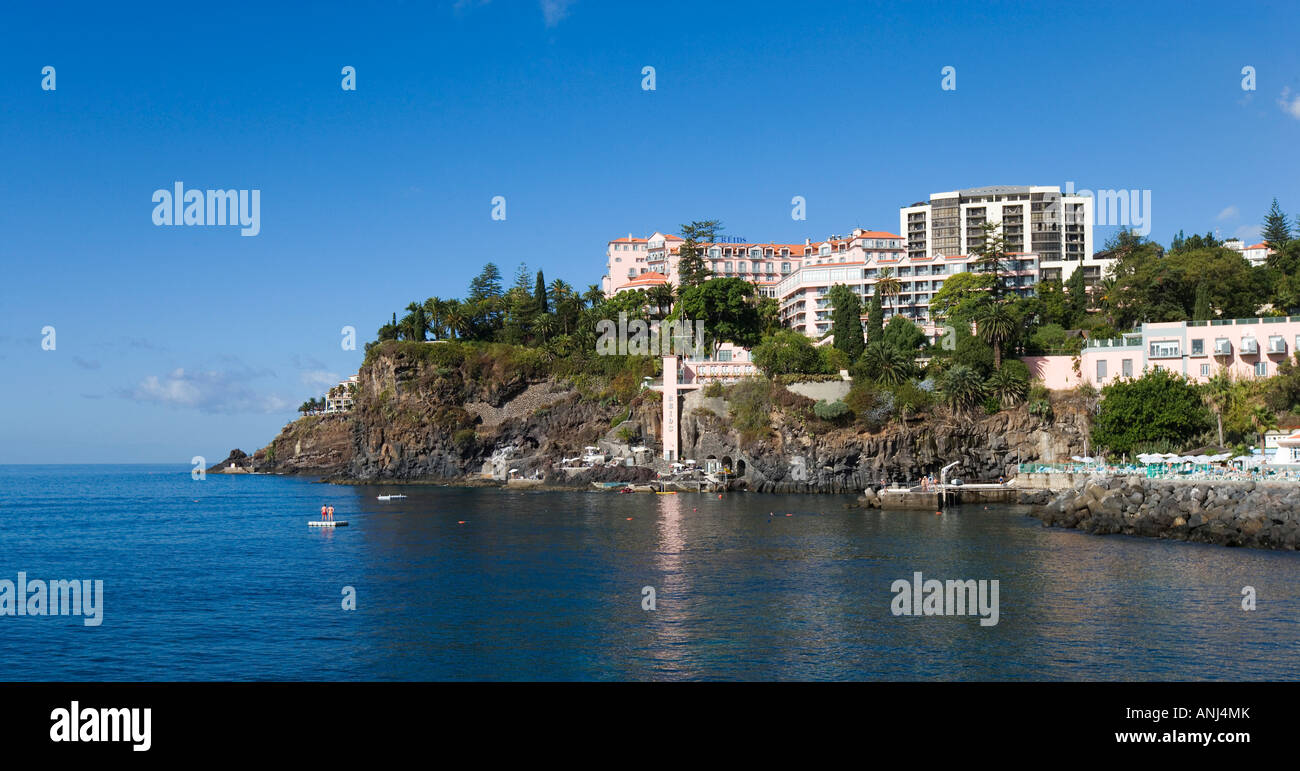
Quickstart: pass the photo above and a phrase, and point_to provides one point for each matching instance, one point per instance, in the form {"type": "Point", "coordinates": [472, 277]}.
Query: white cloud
{"type": "Point", "coordinates": [1227, 214]}
{"type": "Point", "coordinates": [319, 378]}
{"type": "Point", "coordinates": [1290, 105]}
{"type": "Point", "coordinates": [554, 11]}
{"type": "Point", "coordinates": [208, 391]}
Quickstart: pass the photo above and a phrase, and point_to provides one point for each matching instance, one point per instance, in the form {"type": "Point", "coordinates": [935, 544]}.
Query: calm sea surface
{"type": "Point", "coordinates": [221, 579]}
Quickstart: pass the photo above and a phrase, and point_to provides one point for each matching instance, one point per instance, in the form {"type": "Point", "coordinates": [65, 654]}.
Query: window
{"type": "Point", "coordinates": [724, 355]}
{"type": "Point", "coordinates": [1261, 369]}
{"type": "Point", "coordinates": [785, 267]}
{"type": "Point", "coordinates": [1164, 350]}
{"type": "Point", "coordinates": [1205, 370]}
{"type": "Point", "coordinates": [1126, 368]}
{"type": "Point", "coordinates": [743, 267]}
{"type": "Point", "coordinates": [1198, 347]}
{"type": "Point", "coordinates": [1101, 370]}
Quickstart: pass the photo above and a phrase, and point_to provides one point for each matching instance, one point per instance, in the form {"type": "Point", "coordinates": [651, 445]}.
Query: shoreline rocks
{"type": "Point", "coordinates": [1260, 515]}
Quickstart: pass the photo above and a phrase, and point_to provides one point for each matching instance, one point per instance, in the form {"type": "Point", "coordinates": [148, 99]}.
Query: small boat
{"type": "Point", "coordinates": [607, 485]}
{"type": "Point", "coordinates": [390, 497]}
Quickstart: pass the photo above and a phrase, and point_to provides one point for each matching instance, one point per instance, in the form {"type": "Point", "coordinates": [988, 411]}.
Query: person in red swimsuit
{"type": "Point", "coordinates": [323, 511]}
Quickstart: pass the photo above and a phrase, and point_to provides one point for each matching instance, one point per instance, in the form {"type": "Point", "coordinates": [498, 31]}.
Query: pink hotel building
{"type": "Point", "coordinates": [1247, 348]}
{"type": "Point", "coordinates": [800, 276]}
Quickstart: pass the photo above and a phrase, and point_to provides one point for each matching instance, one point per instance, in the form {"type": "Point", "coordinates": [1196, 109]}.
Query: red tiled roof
{"type": "Point", "coordinates": [649, 278]}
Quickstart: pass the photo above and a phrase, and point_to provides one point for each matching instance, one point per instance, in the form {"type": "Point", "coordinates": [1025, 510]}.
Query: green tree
{"type": "Point", "coordinates": [888, 286]}
{"type": "Point", "coordinates": [962, 387]}
{"type": "Point", "coordinates": [990, 250]}
{"type": "Point", "coordinates": [1277, 230]}
{"type": "Point", "coordinates": [487, 284]}
{"type": "Point", "coordinates": [962, 295]}
{"type": "Point", "coordinates": [1009, 384]}
{"type": "Point", "coordinates": [995, 325]}
{"type": "Point", "coordinates": [1262, 420]}
{"type": "Point", "coordinates": [882, 363]}
{"type": "Point", "coordinates": [1201, 310]}
{"type": "Point", "coordinates": [1159, 407]}
{"type": "Point", "coordinates": [1076, 298]}
{"type": "Point", "coordinates": [692, 269]}
{"type": "Point", "coordinates": [727, 308]}
{"type": "Point", "coordinates": [539, 294]}
{"type": "Point", "coordinates": [415, 323]}
{"type": "Point", "coordinates": [785, 353]}
{"type": "Point", "coordinates": [875, 318]}
{"type": "Point", "coordinates": [902, 334]}
{"type": "Point", "coordinates": [846, 321]}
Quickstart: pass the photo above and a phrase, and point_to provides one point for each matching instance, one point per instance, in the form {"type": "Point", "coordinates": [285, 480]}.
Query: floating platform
{"type": "Point", "coordinates": [390, 497]}
{"type": "Point", "coordinates": [327, 523]}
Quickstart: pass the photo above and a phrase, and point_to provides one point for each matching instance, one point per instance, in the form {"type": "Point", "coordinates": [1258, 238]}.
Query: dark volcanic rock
{"type": "Point", "coordinates": [1263, 516]}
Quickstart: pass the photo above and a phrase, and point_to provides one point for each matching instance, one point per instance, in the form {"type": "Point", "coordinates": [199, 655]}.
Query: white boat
{"type": "Point", "coordinates": [390, 497]}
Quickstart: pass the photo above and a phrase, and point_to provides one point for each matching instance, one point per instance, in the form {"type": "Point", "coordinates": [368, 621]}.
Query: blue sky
{"type": "Point", "coordinates": [181, 341]}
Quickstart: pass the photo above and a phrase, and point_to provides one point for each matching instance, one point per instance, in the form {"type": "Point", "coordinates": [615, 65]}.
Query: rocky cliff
{"type": "Point", "coordinates": [801, 455]}
{"type": "Point", "coordinates": [316, 444]}
{"type": "Point", "coordinates": [417, 419]}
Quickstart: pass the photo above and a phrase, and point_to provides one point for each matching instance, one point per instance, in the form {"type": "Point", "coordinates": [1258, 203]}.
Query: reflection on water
{"type": "Point", "coordinates": [496, 584]}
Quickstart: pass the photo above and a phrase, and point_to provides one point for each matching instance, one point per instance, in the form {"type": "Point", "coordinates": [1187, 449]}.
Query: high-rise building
{"type": "Point", "coordinates": [1038, 220]}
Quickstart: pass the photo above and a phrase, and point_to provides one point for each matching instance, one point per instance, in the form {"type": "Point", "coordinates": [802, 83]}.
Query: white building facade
{"type": "Point", "coordinates": [1034, 219]}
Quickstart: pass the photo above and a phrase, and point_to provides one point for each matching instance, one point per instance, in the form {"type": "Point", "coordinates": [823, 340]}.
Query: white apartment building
{"type": "Point", "coordinates": [1255, 254]}
{"type": "Point", "coordinates": [1037, 220]}
{"type": "Point", "coordinates": [340, 398]}
{"type": "Point", "coordinates": [861, 260]}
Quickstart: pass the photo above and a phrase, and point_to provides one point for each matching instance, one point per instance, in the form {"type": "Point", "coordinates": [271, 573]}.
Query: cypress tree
{"type": "Point", "coordinates": [539, 294]}
{"type": "Point", "coordinates": [875, 319]}
{"type": "Point", "coordinates": [846, 321]}
{"type": "Point", "coordinates": [1201, 311]}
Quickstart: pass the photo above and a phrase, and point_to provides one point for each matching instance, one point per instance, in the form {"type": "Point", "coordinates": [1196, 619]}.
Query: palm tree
{"type": "Point", "coordinates": [1262, 420]}
{"type": "Point", "coordinates": [962, 387]}
{"type": "Point", "coordinates": [415, 323]}
{"type": "Point", "coordinates": [1009, 388]}
{"type": "Point", "coordinates": [888, 286]}
{"type": "Point", "coordinates": [886, 364]}
{"type": "Point", "coordinates": [456, 318]}
{"type": "Point", "coordinates": [662, 297]}
{"type": "Point", "coordinates": [594, 295]}
{"type": "Point", "coordinates": [435, 309]}
{"type": "Point", "coordinates": [995, 325]}
{"type": "Point", "coordinates": [545, 325]}
{"type": "Point", "coordinates": [1217, 395]}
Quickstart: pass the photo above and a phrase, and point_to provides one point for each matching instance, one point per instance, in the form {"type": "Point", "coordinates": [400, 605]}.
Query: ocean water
{"type": "Point", "coordinates": [222, 579]}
